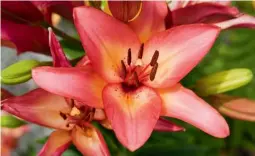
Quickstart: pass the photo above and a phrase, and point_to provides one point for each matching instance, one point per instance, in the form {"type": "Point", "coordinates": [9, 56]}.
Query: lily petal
{"type": "Point", "coordinates": [125, 10]}
{"type": "Point", "coordinates": [20, 12]}
{"type": "Point", "coordinates": [105, 45]}
{"type": "Point", "coordinates": [183, 104]}
{"type": "Point", "coordinates": [200, 12]}
{"type": "Point", "coordinates": [5, 94]}
{"type": "Point", "coordinates": [236, 107]}
{"type": "Point", "coordinates": [150, 20]}
{"type": "Point", "coordinates": [81, 84]}
{"type": "Point", "coordinates": [243, 21]}
{"type": "Point", "coordinates": [180, 50]}
{"type": "Point", "coordinates": [164, 125]}
{"type": "Point", "coordinates": [132, 113]}
{"type": "Point", "coordinates": [40, 107]}
{"type": "Point", "coordinates": [56, 144]}
{"type": "Point", "coordinates": [59, 58]}
{"type": "Point", "coordinates": [89, 141]}
{"type": "Point", "coordinates": [24, 38]}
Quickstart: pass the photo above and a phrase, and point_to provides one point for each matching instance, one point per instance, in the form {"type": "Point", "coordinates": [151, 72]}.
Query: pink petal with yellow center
{"type": "Point", "coordinates": [183, 104]}
{"type": "Point", "coordinates": [132, 113]}
{"type": "Point", "coordinates": [56, 144]}
{"type": "Point", "coordinates": [89, 141]}
{"type": "Point", "coordinates": [199, 12]}
{"type": "Point", "coordinates": [243, 21]}
{"type": "Point", "coordinates": [180, 50]}
{"type": "Point", "coordinates": [150, 20]}
{"type": "Point", "coordinates": [164, 125]}
{"type": "Point", "coordinates": [40, 107]}
{"type": "Point", "coordinates": [24, 38]}
{"type": "Point", "coordinates": [81, 84]}
{"type": "Point", "coordinates": [106, 41]}
{"type": "Point", "coordinates": [59, 58]}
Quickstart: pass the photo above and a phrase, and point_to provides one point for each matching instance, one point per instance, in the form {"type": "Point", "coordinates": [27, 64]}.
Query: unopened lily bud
{"type": "Point", "coordinates": [18, 72]}
{"type": "Point", "coordinates": [235, 107]}
{"type": "Point", "coordinates": [9, 121]}
{"type": "Point", "coordinates": [223, 81]}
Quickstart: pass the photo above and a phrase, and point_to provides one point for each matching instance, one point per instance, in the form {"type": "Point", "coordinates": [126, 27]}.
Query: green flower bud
{"type": "Point", "coordinates": [9, 121]}
{"type": "Point", "coordinates": [223, 81]}
{"type": "Point", "coordinates": [18, 72]}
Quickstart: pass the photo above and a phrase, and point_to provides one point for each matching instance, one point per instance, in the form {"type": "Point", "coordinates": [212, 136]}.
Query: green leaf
{"type": "Point", "coordinates": [9, 121]}
{"type": "Point", "coordinates": [72, 50]}
{"type": "Point", "coordinates": [42, 140]}
{"type": "Point", "coordinates": [18, 72]}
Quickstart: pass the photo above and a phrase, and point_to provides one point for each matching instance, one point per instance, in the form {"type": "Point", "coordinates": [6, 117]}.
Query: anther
{"type": "Point", "coordinates": [129, 58]}
{"type": "Point", "coordinates": [140, 54]}
{"type": "Point", "coordinates": [154, 58]}
{"type": "Point", "coordinates": [153, 71]}
{"type": "Point", "coordinates": [63, 115]}
{"type": "Point", "coordinates": [136, 79]}
{"type": "Point", "coordinates": [124, 69]}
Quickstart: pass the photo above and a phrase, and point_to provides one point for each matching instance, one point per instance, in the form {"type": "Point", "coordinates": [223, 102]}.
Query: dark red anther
{"type": "Point", "coordinates": [154, 58]}
{"type": "Point", "coordinates": [63, 115]}
{"type": "Point", "coordinates": [153, 71]}
{"type": "Point", "coordinates": [140, 54]}
{"type": "Point", "coordinates": [129, 58]}
{"type": "Point", "coordinates": [124, 69]}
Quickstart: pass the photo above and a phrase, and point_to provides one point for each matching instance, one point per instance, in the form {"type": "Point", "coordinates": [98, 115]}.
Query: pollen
{"type": "Point", "coordinates": [75, 111]}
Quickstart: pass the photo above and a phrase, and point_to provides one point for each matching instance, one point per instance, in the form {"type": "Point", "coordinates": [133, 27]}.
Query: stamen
{"type": "Point", "coordinates": [136, 79]}
{"type": "Point", "coordinates": [63, 115]}
{"type": "Point", "coordinates": [129, 58]}
{"type": "Point", "coordinates": [124, 69]}
{"type": "Point", "coordinates": [153, 71]}
{"type": "Point", "coordinates": [154, 58]}
{"type": "Point", "coordinates": [140, 54]}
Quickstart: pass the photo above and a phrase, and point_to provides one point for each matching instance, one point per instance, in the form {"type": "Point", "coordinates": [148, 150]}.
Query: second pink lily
{"type": "Point", "coordinates": [136, 82]}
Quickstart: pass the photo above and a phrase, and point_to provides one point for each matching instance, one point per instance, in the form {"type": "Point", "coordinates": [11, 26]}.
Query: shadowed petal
{"type": "Point", "coordinates": [106, 41]}
{"type": "Point", "coordinates": [180, 50]}
{"type": "Point", "coordinates": [132, 113]}
{"type": "Point", "coordinates": [24, 37]}
{"type": "Point", "coordinates": [183, 104]}
{"type": "Point", "coordinates": [200, 12]}
{"type": "Point", "coordinates": [59, 58]}
{"type": "Point", "coordinates": [56, 144]}
{"type": "Point", "coordinates": [21, 12]}
{"type": "Point", "coordinates": [164, 125]}
{"type": "Point", "coordinates": [125, 10]}
{"type": "Point", "coordinates": [81, 84]}
{"type": "Point", "coordinates": [150, 20]}
{"type": "Point", "coordinates": [40, 107]}
{"type": "Point", "coordinates": [5, 94]}
{"type": "Point", "coordinates": [89, 141]}
{"type": "Point", "coordinates": [243, 21]}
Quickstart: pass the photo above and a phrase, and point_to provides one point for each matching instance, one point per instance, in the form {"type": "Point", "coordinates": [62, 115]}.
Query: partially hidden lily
{"type": "Point", "coordinates": [10, 136]}
{"type": "Point", "coordinates": [22, 20]}
{"type": "Point", "coordinates": [136, 81]}
{"type": "Point", "coordinates": [219, 13]}
{"type": "Point", "coordinates": [71, 120]}
{"type": "Point", "coordinates": [149, 17]}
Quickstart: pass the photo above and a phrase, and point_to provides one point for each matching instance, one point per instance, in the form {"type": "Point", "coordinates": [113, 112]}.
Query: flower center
{"type": "Point", "coordinates": [78, 115]}
{"type": "Point", "coordinates": [135, 74]}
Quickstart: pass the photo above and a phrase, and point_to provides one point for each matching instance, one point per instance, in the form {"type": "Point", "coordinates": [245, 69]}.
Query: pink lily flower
{"type": "Point", "coordinates": [136, 83]}
{"type": "Point", "coordinates": [70, 119]}
{"type": "Point", "coordinates": [219, 13]}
